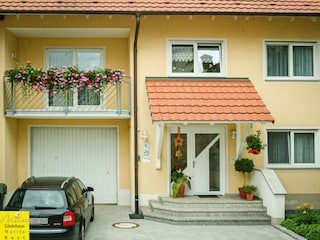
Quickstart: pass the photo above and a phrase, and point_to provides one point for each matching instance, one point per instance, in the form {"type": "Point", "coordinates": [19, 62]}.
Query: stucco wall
{"type": "Point", "coordinates": [244, 42]}
{"type": "Point", "coordinates": [15, 155]}
{"type": "Point", "coordinates": [8, 169]}
{"type": "Point", "coordinates": [245, 58]}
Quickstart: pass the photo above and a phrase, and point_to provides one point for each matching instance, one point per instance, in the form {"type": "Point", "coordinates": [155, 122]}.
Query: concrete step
{"type": "Point", "coordinates": [158, 207]}
{"type": "Point", "coordinates": [206, 211]}
{"type": "Point", "coordinates": [219, 202]}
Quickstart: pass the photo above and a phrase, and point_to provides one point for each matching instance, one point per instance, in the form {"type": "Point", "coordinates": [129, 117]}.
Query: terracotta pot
{"type": "Point", "coordinates": [242, 193]}
{"type": "Point", "coordinates": [249, 196]}
{"type": "Point", "coordinates": [181, 192]}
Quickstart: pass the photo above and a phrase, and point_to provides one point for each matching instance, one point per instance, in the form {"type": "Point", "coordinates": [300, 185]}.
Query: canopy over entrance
{"type": "Point", "coordinates": [217, 100]}
{"type": "Point", "coordinates": [224, 100]}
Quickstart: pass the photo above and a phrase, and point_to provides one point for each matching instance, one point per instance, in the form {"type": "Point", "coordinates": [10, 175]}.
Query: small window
{"type": "Point", "coordinates": [290, 61]}
{"type": "Point", "coordinates": [196, 58]}
{"type": "Point", "coordinates": [82, 186]}
{"type": "Point", "coordinates": [71, 195]}
{"type": "Point", "coordinates": [77, 190]}
{"type": "Point", "coordinates": [179, 154]}
{"type": "Point", "coordinates": [292, 148]}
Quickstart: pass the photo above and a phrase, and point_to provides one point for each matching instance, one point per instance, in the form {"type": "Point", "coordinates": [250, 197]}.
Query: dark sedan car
{"type": "Point", "coordinates": [60, 207]}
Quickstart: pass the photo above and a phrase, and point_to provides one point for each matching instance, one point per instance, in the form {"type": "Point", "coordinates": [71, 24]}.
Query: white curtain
{"type": "Point", "coordinates": [183, 53]}
{"type": "Point", "coordinates": [304, 148]}
{"type": "Point", "coordinates": [303, 61]}
{"type": "Point", "coordinates": [278, 147]}
{"type": "Point", "coordinates": [277, 60]}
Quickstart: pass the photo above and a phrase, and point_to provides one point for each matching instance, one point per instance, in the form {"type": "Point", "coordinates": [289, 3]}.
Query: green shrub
{"type": "Point", "coordinates": [302, 229]}
{"type": "Point", "coordinates": [314, 232]}
{"type": "Point", "coordinates": [290, 223]}
{"type": "Point", "coordinates": [305, 222]}
{"type": "Point", "coordinates": [306, 214]}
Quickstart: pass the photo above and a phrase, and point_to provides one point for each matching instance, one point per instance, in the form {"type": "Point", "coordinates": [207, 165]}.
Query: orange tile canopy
{"type": "Point", "coordinates": [165, 6]}
{"type": "Point", "coordinates": [225, 100]}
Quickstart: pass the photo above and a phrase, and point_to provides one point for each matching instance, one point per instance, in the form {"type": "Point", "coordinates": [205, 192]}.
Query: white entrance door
{"type": "Point", "coordinates": [204, 159]}
{"type": "Point", "coordinates": [89, 153]}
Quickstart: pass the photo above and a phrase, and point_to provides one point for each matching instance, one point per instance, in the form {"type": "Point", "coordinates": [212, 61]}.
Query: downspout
{"type": "Point", "coordinates": [136, 214]}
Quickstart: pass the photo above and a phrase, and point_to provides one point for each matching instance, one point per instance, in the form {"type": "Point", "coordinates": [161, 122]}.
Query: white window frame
{"type": "Point", "coordinates": [195, 42]}
{"type": "Point", "coordinates": [292, 164]}
{"type": "Point", "coordinates": [74, 51]}
{"type": "Point", "coordinates": [291, 44]}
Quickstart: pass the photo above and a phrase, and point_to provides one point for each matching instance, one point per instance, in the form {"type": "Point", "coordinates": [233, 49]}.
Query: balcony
{"type": "Point", "coordinates": [113, 102]}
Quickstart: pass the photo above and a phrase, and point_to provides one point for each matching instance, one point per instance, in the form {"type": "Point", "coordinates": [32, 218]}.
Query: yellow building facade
{"type": "Point", "coordinates": [242, 42]}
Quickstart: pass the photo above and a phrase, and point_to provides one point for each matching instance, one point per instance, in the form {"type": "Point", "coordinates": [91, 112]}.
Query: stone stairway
{"type": "Point", "coordinates": [194, 210]}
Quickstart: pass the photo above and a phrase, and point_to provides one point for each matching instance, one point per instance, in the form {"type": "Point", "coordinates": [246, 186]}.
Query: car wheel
{"type": "Point", "coordinates": [92, 215]}
{"type": "Point", "coordinates": [82, 232]}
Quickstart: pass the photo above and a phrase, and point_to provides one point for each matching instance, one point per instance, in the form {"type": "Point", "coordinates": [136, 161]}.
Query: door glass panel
{"type": "Point", "coordinates": [214, 167]}
{"type": "Point", "coordinates": [202, 141]}
{"type": "Point", "coordinates": [60, 59]}
{"type": "Point", "coordinates": [60, 98]}
{"type": "Point", "coordinates": [88, 97]}
{"type": "Point", "coordinates": [178, 154]}
{"type": "Point", "coordinates": [89, 60]}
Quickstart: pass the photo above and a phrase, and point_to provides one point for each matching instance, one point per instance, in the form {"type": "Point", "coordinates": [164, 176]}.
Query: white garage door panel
{"type": "Point", "coordinates": [89, 153]}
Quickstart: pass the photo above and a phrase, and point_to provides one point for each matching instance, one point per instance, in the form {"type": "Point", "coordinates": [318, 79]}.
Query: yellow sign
{"type": "Point", "coordinates": [14, 225]}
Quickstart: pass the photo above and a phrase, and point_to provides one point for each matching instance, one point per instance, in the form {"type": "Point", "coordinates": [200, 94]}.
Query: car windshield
{"type": "Point", "coordinates": [43, 199]}
{"type": "Point", "coordinates": [38, 198]}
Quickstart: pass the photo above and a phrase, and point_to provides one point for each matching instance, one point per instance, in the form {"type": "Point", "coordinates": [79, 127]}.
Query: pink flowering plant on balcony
{"type": "Point", "coordinates": [66, 79]}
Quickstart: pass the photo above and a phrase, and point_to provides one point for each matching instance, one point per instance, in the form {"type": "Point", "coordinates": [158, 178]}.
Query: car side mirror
{"type": "Point", "coordinates": [90, 189]}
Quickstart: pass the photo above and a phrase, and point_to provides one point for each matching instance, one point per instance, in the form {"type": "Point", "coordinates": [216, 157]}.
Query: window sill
{"type": "Point", "coordinates": [291, 80]}
{"type": "Point", "coordinates": [293, 167]}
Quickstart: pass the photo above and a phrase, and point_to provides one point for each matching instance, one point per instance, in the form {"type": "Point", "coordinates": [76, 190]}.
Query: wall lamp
{"type": "Point", "coordinates": [233, 134]}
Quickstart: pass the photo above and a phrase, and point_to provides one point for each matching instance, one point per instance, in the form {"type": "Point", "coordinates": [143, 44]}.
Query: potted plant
{"type": "Point", "coordinates": [244, 165]}
{"type": "Point", "coordinates": [249, 190]}
{"type": "Point", "coordinates": [66, 79]}
{"type": "Point", "coordinates": [180, 182]}
{"type": "Point", "coordinates": [254, 143]}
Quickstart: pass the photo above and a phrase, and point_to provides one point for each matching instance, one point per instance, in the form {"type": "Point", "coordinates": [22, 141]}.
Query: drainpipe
{"type": "Point", "coordinates": [136, 214]}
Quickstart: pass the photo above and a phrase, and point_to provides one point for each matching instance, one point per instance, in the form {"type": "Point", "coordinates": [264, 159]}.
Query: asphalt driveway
{"type": "Point", "coordinates": [113, 223]}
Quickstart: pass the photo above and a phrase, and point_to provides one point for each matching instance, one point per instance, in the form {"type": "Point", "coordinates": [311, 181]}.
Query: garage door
{"type": "Point", "coordinates": [89, 153]}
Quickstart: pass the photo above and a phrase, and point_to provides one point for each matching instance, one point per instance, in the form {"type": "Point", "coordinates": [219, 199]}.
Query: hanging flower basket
{"type": "Point", "coordinates": [66, 79]}
{"type": "Point", "coordinates": [254, 143]}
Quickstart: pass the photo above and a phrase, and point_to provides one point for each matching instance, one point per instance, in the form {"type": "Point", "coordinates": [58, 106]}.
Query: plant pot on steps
{"type": "Point", "coordinates": [249, 196]}
{"type": "Point", "coordinates": [242, 193]}
{"type": "Point", "coordinates": [181, 192]}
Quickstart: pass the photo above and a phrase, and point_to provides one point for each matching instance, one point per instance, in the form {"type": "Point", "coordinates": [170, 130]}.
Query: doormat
{"type": "Point", "coordinates": [207, 196]}
{"type": "Point", "coordinates": [125, 225]}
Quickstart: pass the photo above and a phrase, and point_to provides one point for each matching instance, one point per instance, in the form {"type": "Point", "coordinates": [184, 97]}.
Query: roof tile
{"type": "Point", "coordinates": [165, 6]}
{"type": "Point", "coordinates": [205, 100]}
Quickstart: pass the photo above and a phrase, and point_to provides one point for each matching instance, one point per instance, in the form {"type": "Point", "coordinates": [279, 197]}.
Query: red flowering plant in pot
{"type": "Point", "coordinates": [254, 143]}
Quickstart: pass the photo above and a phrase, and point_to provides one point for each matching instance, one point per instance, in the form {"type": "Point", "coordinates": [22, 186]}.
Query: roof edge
{"type": "Point", "coordinates": [197, 78]}
{"type": "Point", "coordinates": [274, 14]}
{"type": "Point", "coordinates": [212, 122]}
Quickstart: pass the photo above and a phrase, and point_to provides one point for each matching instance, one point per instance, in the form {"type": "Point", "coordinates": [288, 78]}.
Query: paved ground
{"type": "Point", "coordinates": [107, 215]}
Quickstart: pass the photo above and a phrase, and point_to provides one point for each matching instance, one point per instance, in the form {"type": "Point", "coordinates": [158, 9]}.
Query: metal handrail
{"type": "Point", "coordinates": [114, 101]}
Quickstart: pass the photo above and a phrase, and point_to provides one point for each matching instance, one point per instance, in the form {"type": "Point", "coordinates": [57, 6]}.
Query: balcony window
{"type": "Point", "coordinates": [83, 58]}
